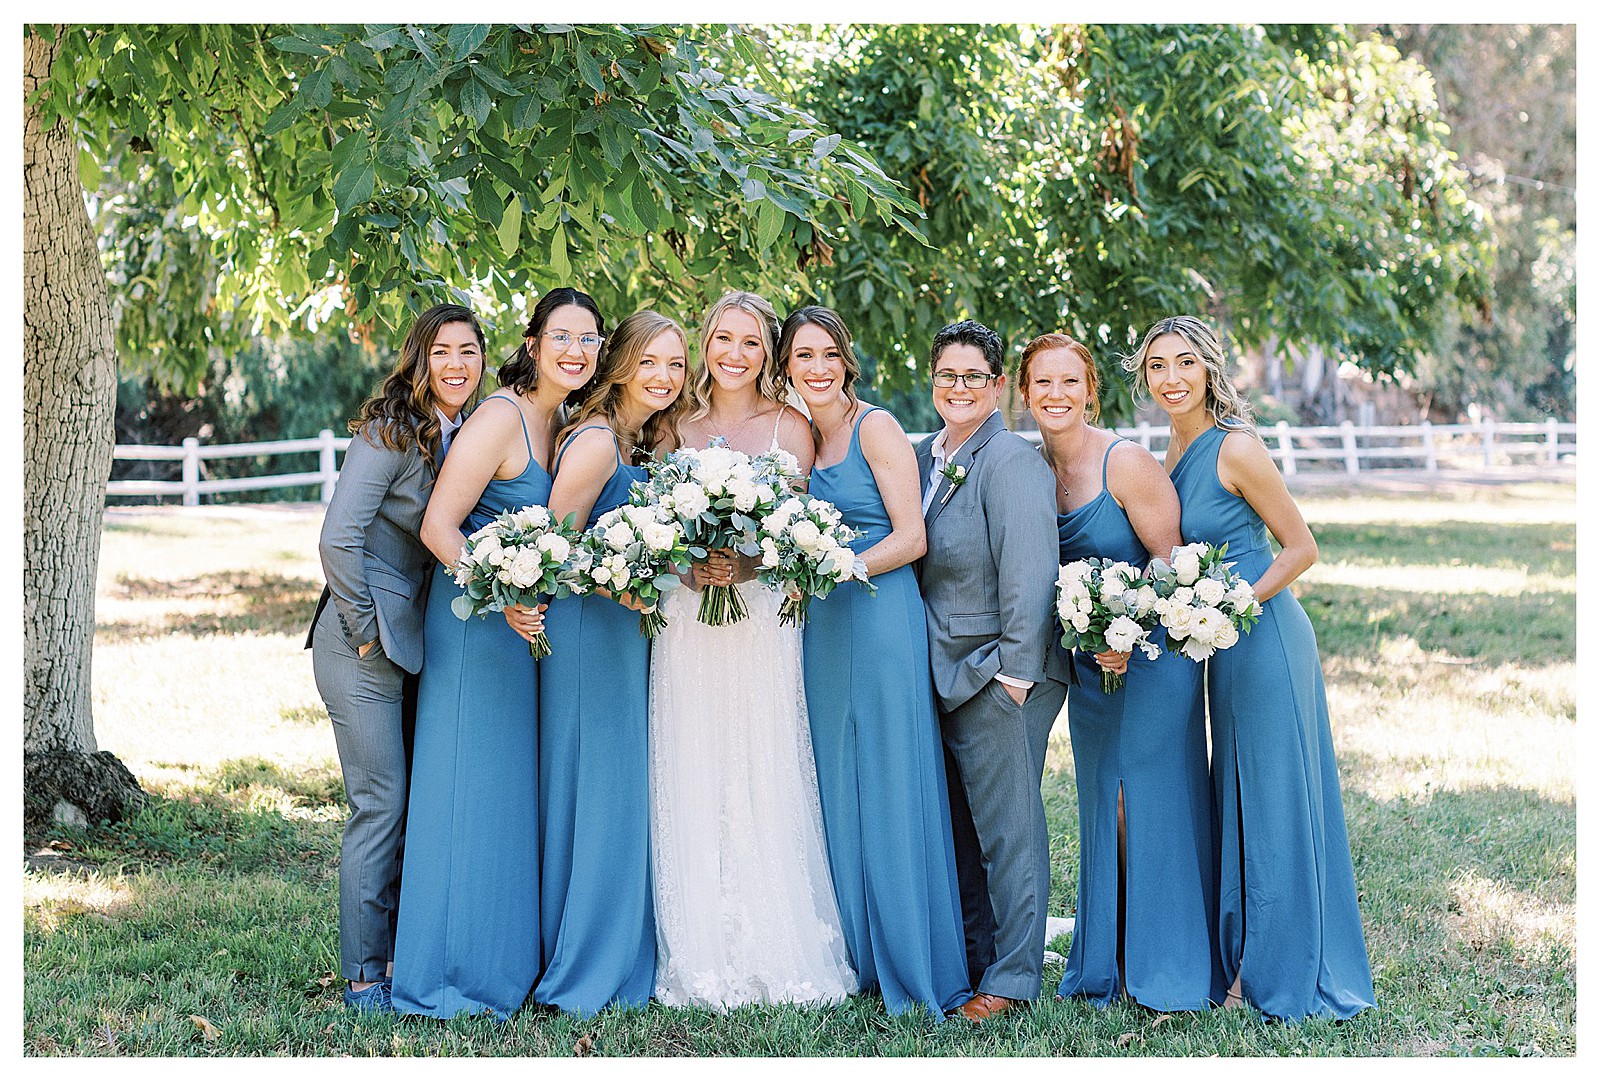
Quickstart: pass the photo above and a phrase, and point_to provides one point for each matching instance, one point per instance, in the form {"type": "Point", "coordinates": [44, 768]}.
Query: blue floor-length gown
{"type": "Point", "coordinates": [468, 933]}
{"type": "Point", "coordinates": [1287, 914]}
{"type": "Point", "coordinates": [1147, 740]}
{"type": "Point", "coordinates": [598, 926]}
{"type": "Point", "coordinates": [880, 767]}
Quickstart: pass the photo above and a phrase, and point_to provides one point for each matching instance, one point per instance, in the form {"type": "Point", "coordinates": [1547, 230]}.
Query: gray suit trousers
{"type": "Point", "coordinates": [365, 698]}
{"type": "Point", "coordinates": [997, 751]}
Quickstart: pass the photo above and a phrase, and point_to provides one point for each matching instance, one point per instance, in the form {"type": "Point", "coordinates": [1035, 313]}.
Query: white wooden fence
{"type": "Point", "coordinates": [1482, 445]}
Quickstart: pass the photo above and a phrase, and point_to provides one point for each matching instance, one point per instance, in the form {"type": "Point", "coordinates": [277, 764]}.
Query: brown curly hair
{"type": "Point", "coordinates": [404, 412]}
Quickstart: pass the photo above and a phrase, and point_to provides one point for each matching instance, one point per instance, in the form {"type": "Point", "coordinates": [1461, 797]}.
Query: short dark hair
{"type": "Point", "coordinates": [969, 332]}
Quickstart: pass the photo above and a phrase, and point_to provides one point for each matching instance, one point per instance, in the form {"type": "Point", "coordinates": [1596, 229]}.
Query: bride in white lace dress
{"type": "Point", "coordinates": [744, 902]}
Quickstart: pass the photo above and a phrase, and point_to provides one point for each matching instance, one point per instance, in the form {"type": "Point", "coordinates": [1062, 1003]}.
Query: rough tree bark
{"type": "Point", "coordinates": [69, 397]}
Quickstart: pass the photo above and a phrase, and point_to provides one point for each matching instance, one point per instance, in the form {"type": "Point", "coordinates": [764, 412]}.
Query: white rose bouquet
{"type": "Point", "coordinates": [718, 496]}
{"type": "Point", "coordinates": [631, 549]}
{"type": "Point", "coordinates": [805, 552]}
{"type": "Point", "coordinates": [515, 559]}
{"type": "Point", "coordinates": [1204, 604]}
{"type": "Point", "coordinates": [1106, 604]}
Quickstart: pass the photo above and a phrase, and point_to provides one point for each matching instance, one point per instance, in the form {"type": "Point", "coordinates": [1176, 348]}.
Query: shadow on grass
{"type": "Point", "coordinates": [246, 602]}
{"type": "Point", "coordinates": [1542, 548]}
{"type": "Point", "coordinates": [1533, 628]}
{"type": "Point", "coordinates": [1516, 837]}
{"type": "Point", "coordinates": [1462, 895]}
{"type": "Point", "coordinates": [246, 815]}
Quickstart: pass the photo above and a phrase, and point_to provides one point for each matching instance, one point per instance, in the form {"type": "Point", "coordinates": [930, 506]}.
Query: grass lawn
{"type": "Point", "coordinates": [207, 925]}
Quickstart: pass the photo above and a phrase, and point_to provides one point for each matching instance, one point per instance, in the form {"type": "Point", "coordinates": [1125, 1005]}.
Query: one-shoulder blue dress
{"type": "Point", "coordinates": [1147, 741]}
{"type": "Point", "coordinates": [467, 939]}
{"type": "Point", "coordinates": [1287, 914]}
{"type": "Point", "coordinates": [880, 767]}
{"type": "Point", "coordinates": [598, 925]}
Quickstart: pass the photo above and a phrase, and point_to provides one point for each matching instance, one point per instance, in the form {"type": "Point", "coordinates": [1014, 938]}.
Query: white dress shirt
{"type": "Point", "coordinates": [447, 430]}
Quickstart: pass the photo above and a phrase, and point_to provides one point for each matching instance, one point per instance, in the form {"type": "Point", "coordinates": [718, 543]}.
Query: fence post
{"type": "Point", "coordinates": [325, 462]}
{"type": "Point", "coordinates": [191, 472]}
{"type": "Point", "coordinates": [1352, 460]}
{"type": "Point", "coordinates": [1428, 448]}
{"type": "Point", "coordinates": [1286, 444]}
{"type": "Point", "coordinates": [1486, 433]}
{"type": "Point", "coordinates": [1144, 434]}
{"type": "Point", "coordinates": [1552, 438]}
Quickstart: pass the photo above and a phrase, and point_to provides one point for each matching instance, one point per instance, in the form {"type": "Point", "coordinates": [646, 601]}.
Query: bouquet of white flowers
{"type": "Point", "coordinates": [1106, 604]}
{"type": "Point", "coordinates": [718, 496]}
{"type": "Point", "coordinates": [1204, 604]}
{"type": "Point", "coordinates": [805, 553]}
{"type": "Point", "coordinates": [515, 559]}
{"type": "Point", "coordinates": [631, 549]}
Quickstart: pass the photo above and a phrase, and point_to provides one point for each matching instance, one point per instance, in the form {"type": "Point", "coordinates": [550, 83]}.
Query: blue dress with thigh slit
{"type": "Point", "coordinates": [1146, 741]}
{"type": "Point", "coordinates": [1287, 913]}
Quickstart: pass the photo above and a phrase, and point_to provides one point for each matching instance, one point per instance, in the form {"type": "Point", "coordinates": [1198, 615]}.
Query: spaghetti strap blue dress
{"type": "Point", "coordinates": [597, 919]}
{"type": "Point", "coordinates": [467, 937]}
{"type": "Point", "coordinates": [1287, 914]}
{"type": "Point", "coordinates": [880, 767]}
{"type": "Point", "coordinates": [1146, 741]}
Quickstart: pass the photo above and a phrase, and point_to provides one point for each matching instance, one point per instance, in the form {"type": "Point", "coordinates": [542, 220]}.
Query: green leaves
{"type": "Point", "coordinates": [510, 226]}
{"type": "Point", "coordinates": [352, 172]}
{"type": "Point", "coordinates": [465, 38]}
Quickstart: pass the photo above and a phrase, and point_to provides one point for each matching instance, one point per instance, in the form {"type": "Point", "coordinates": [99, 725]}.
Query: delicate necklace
{"type": "Point", "coordinates": [738, 429]}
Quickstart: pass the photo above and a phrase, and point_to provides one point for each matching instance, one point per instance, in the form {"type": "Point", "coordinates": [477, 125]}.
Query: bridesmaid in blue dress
{"type": "Point", "coordinates": [468, 932]}
{"type": "Point", "coordinates": [874, 729]}
{"type": "Point", "coordinates": [597, 924]}
{"type": "Point", "coordinates": [1146, 918]}
{"type": "Point", "coordinates": [1289, 930]}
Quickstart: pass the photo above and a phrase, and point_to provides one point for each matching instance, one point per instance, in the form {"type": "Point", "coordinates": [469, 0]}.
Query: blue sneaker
{"type": "Point", "coordinates": [374, 999]}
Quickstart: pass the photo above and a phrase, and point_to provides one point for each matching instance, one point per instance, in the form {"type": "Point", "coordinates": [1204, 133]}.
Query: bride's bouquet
{"type": "Point", "coordinates": [718, 497]}
{"type": "Point", "coordinates": [631, 549]}
{"type": "Point", "coordinates": [1204, 604]}
{"type": "Point", "coordinates": [1106, 604]}
{"type": "Point", "coordinates": [514, 559]}
{"type": "Point", "coordinates": [805, 553]}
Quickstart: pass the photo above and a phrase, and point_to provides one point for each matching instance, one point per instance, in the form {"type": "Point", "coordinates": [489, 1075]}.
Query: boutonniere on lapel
{"type": "Point", "coordinates": [957, 476]}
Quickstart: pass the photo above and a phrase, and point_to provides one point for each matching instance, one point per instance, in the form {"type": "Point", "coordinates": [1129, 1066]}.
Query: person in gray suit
{"type": "Point", "coordinates": [988, 582]}
{"type": "Point", "coordinates": [366, 635]}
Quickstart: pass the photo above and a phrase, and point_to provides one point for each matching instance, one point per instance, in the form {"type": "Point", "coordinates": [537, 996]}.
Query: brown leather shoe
{"type": "Point", "coordinates": [982, 1006]}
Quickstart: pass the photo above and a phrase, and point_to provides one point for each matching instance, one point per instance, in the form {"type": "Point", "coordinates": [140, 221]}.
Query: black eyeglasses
{"type": "Point", "coordinates": [589, 343]}
{"type": "Point", "coordinates": [970, 380]}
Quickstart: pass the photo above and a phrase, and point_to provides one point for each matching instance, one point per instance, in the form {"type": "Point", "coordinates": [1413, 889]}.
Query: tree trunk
{"type": "Point", "coordinates": [69, 382]}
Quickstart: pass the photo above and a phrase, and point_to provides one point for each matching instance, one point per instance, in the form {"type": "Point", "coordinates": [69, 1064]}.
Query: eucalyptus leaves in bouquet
{"type": "Point", "coordinates": [1103, 605]}
{"type": "Point", "coordinates": [805, 552]}
{"type": "Point", "coordinates": [638, 550]}
{"type": "Point", "coordinates": [515, 559]}
{"type": "Point", "coordinates": [718, 496]}
{"type": "Point", "coordinates": [1204, 604]}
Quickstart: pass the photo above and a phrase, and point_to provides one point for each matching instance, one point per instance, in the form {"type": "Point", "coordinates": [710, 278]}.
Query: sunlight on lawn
{"type": "Point", "coordinates": [1488, 912]}
{"type": "Point", "coordinates": [170, 703]}
{"type": "Point", "coordinates": [1457, 578]}
{"type": "Point", "coordinates": [49, 899]}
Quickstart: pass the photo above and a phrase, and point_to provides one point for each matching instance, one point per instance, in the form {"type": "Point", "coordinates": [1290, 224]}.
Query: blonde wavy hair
{"type": "Point", "coordinates": [616, 367]}
{"type": "Point", "coordinates": [1228, 407]}
{"type": "Point", "coordinates": [769, 384]}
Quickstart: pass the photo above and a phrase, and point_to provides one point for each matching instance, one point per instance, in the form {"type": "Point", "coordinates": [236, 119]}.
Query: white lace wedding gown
{"type": "Point", "coordinates": [744, 902]}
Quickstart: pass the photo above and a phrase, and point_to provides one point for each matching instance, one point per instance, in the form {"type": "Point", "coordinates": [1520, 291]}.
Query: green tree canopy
{"type": "Point", "coordinates": [318, 172]}
{"type": "Point", "coordinates": [1292, 182]}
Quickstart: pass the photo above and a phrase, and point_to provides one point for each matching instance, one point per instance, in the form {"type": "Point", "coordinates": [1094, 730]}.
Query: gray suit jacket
{"type": "Point", "coordinates": [988, 579]}
{"type": "Point", "coordinates": [376, 566]}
